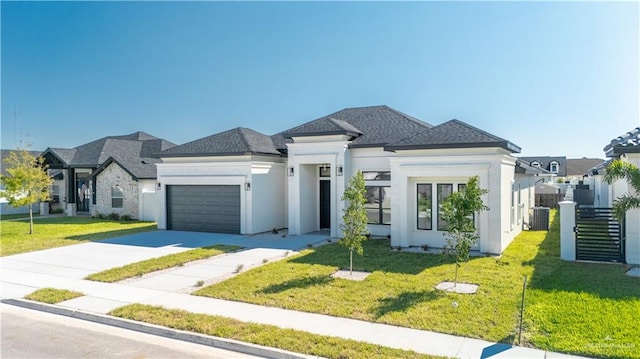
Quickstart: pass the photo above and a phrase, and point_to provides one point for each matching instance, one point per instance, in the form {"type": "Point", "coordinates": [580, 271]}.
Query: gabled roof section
{"type": "Point", "coordinates": [237, 141]}
{"type": "Point", "coordinates": [137, 153]}
{"type": "Point", "coordinates": [452, 134]}
{"type": "Point", "coordinates": [373, 126]}
{"type": "Point", "coordinates": [525, 167]}
{"type": "Point", "coordinates": [627, 143]}
{"type": "Point", "coordinates": [137, 167]}
{"type": "Point", "coordinates": [545, 163]}
{"type": "Point", "coordinates": [324, 126]}
{"type": "Point", "coordinates": [63, 155]}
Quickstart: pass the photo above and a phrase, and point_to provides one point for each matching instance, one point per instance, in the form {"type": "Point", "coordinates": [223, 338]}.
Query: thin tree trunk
{"type": "Point", "coordinates": [30, 219]}
{"type": "Point", "coordinates": [455, 281]}
{"type": "Point", "coordinates": [351, 262]}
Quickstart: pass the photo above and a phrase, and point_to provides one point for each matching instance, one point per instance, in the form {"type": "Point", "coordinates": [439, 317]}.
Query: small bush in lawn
{"type": "Point", "coordinates": [114, 216]}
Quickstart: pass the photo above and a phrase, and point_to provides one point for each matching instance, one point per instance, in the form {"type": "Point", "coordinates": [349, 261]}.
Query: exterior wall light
{"type": "Point", "coordinates": [247, 186]}
{"type": "Point", "coordinates": [339, 170]}
{"type": "Point", "coordinates": [290, 171]}
{"type": "Point", "coordinates": [158, 186]}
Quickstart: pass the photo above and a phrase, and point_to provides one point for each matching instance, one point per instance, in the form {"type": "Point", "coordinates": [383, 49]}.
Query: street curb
{"type": "Point", "coordinates": [216, 342]}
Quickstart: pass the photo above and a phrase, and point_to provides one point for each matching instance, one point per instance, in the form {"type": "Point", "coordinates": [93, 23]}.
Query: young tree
{"type": "Point", "coordinates": [458, 211]}
{"type": "Point", "coordinates": [354, 227]}
{"type": "Point", "coordinates": [618, 169]}
{"type": "Point", "coordinates": [26, 181]}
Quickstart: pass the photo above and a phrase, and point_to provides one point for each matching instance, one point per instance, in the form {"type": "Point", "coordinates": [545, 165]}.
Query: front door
{"type": "Point", "coordinates": [325, 204]}
{"type": "Point", "coordinates": [83, 192]}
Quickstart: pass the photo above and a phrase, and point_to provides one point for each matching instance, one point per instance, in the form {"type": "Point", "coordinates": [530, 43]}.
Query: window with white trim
{"type": "Point", "coordinates": [554, 166]}
{"type": "Point", "coordinates": [117, 197]}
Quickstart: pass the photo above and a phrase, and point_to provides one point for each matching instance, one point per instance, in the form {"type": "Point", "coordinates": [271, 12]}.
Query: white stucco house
{"type": "Point", "coordinates": [242, 181]}
{"type": "Point", "coordinates": [114, 174]}
{"type": "Point", "coordinates": [626, 148]}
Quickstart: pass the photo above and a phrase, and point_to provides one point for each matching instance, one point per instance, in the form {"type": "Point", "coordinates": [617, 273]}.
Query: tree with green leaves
{"type": "Point", "coordinates": [354, 226]}
{"type": "Point", "coordinates": [458, 211]}
{"type": "Point", "coordinates": [619, 169]}
{"type": "Point", "coordinates": [26, 181]}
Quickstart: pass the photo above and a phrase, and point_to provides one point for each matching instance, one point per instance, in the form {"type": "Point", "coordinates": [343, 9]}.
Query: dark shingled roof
{"type": "Point", "coordinates": [627, 143]}
{"type": "Point", "coordinates": [545, 162]}
{"type": "Point", "coordinates": [523, 166]}
{"type": "Point", "coordinates": [581, 166]}
{"type": "Point", "coordinates": [232, 142]}
{"type": "Point", "coordinates": [373, 126]}
{"type": "Point", "coordinates": [452, 134]}
{"type": "Point", "coordinates": [137, 152]}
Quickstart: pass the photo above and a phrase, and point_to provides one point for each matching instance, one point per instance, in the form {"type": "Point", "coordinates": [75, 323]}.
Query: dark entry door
{"type": "Point", "coordinates": [83, 192]}
{"type": "Point", "coordinates": [325, 204]}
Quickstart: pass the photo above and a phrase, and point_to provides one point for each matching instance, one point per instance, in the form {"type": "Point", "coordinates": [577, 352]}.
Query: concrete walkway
{"type": "Point", "coordinates": [62, 268]}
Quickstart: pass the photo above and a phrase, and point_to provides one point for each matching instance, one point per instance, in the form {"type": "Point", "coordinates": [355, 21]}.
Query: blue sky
{"type": "Point", "coordinates": [555, 78]}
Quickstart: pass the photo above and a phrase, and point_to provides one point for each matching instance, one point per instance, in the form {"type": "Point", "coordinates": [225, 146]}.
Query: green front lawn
{"type": "Point", "coordinates": [589, 309]}
{"type": "Point", "coordinates": [261, 334]}
{"type": "Point", "coordinates": [62, 231]}
{"type": "Point", "coordinates": [155, 264]}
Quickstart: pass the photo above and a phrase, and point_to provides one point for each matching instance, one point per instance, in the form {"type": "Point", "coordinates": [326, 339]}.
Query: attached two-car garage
{"type": "Point", "coordinates": [203, 208]}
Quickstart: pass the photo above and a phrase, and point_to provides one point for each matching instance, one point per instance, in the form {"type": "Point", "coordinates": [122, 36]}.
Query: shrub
{"type": "Point", "coordinates": [114, 216]}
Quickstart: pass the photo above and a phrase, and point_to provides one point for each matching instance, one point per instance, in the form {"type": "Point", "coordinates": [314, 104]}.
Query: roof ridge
{"type": "Point", "coordinates": [243, 136]}
{"type": "Point", "coordinates": [408, 117]}
{"type": "Point", "coordinates": [474, 128]}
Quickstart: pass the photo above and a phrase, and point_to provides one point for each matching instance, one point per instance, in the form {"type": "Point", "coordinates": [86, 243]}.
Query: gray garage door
{"type": "Point", "coordinates": [204, 208]}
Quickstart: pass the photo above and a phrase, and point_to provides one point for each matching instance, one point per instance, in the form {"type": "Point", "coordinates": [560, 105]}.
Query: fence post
{"type": "Point", "coordinates": [567, 225]}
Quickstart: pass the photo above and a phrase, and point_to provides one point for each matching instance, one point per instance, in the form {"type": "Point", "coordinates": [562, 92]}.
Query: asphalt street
{"type": "Point", "coordinates": [28, 333]}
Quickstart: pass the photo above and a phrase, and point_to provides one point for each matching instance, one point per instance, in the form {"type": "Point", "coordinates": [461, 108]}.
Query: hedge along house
{"type": "Point", "coordinates": [114, 174]}
{"type": "Point", "coordinates": [242, 181]}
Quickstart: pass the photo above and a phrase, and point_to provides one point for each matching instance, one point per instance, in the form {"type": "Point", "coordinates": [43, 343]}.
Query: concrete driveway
{"type": "Point", "coordinates": [24, 273]}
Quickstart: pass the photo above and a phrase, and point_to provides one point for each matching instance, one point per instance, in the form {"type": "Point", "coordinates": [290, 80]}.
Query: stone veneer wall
{"type": "Point", "coordinates": [111, 176]}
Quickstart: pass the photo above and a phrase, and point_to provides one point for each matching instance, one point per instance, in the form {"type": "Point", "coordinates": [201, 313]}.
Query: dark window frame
{"type": "Point", "coordinates": [428, 191]}
{"type": "Point", "coordinates": [380, 208]}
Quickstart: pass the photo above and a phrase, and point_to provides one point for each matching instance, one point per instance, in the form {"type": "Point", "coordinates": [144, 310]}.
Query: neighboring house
{"type": "Point", "coordinates": [5, 208]}
{"type": "Point", "coordinates": [578, 168]}
{"type": "Point", "coordinates": [115, 174]}
{"type": "Point", "coordinates": [555, 166]}
{"type": "Point", "coordinates": [627, 148]}
{"type": "Point", "coordinates": [243, 181]}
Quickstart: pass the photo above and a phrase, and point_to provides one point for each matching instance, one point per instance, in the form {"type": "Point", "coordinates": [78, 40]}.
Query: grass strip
{"type": "Point", "coordinates": [155, 264]}
{"type": "Point", "coordinates": [52, 295]}
{"type": "Point", "coordinates": [261, 334]}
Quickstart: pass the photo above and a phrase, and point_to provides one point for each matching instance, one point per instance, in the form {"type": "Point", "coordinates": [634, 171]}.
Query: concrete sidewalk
{"type": "Point", "coordinates": [21, 276]}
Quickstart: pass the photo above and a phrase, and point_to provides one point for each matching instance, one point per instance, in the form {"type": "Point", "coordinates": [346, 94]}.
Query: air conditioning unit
{"type": "Point", "coordinates": [539, 219]}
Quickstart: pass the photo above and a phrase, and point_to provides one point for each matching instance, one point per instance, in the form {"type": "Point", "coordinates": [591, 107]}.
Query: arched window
{"type": "Point", "coordinates": [535, 164]}
{"type": "Point", "coordinates": [553, 166]}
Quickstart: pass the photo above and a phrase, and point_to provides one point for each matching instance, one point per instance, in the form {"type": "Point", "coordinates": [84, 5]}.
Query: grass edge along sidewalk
{"type": "Point", "coordinates": [159, 263]}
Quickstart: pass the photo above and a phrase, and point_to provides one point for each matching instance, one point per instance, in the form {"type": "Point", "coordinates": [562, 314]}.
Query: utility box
{"type": "Point", "coordinates": [539, 219]}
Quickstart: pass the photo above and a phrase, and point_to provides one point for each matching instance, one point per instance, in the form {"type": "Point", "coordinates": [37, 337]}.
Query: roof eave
{"type": "Point", "coordinates": [322, 133]}
{"type": "Point", "coordinates": [505, 145]}
{"type": "Point", "coordinates": [219, 154]}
